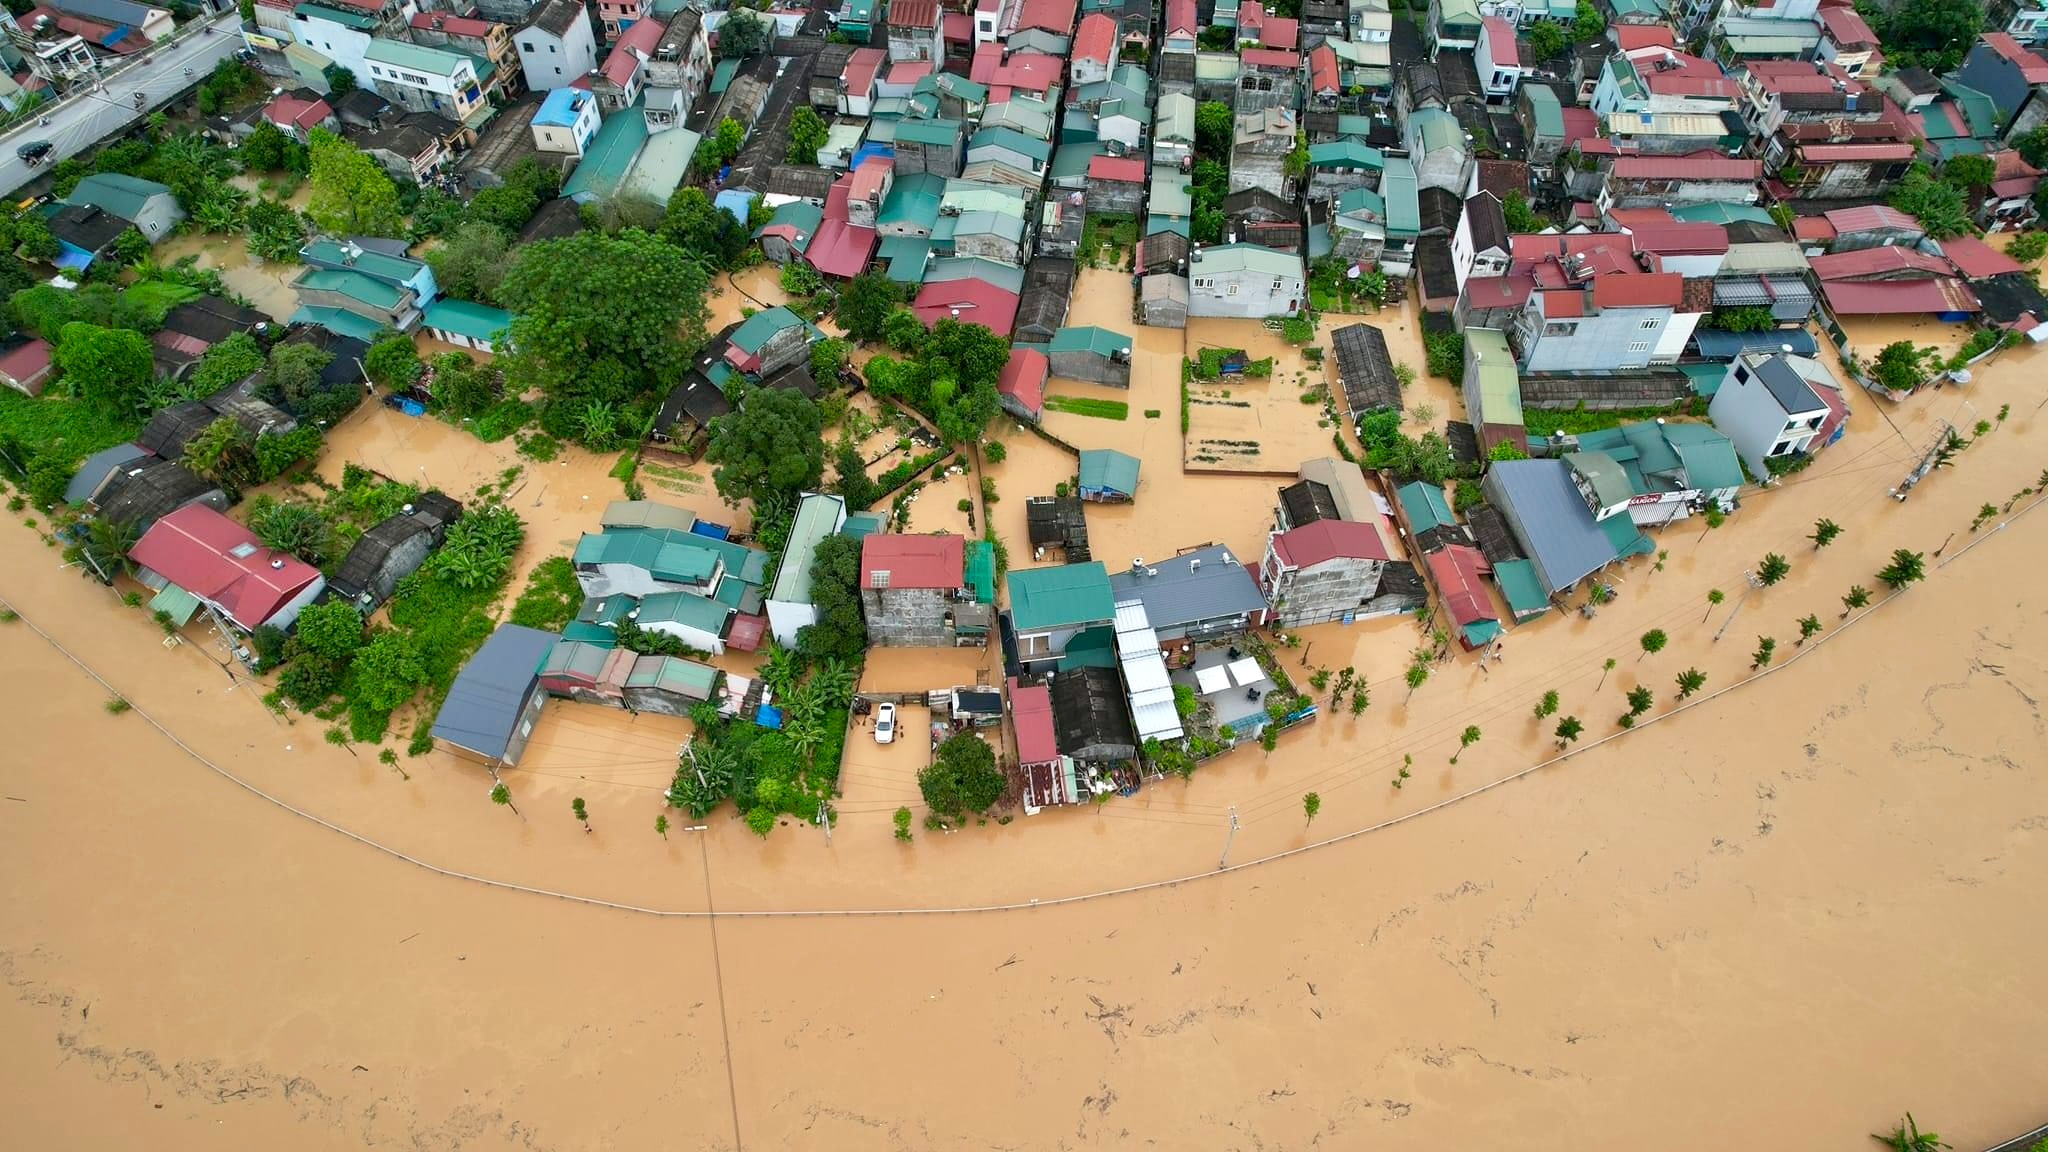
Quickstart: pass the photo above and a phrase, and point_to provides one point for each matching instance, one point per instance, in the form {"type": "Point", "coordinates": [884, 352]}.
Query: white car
{"type": "Point", "coordinates": [885, 723]}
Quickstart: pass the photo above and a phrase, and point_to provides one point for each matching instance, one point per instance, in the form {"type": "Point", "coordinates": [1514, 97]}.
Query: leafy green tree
{"type": "Point", "coordinates": [293, 376]}
{"type": "Point", "coordinates": [703, 229]}
{"type": "Point", "coordinates": [1516, 206]}
{"type": "Point", "coordinates": [854, 485]}
{"type": "Point", "coordinates": [1931, 33]}
{"type": "Point", "coordinates": [1808, 625]}
{"type": "Point", "coordinates": [1905, 567]}
{"type": "Point", "coordinates": [228, 362]}
{"type": "Point", "coordinates": [1858, 597]}
{"type": "Point", "coordinates": [331, 631]}
{"type": "Point", "coordinates": [1640, 700]}
{"type": "Point", "coordinates": [661, 825]}
{"type": "Point", "coordinates": [340, 81]}
{"type": "Point", "coordinates": [107, 367]}
{"type": "Point", "coordinates": [722, 145]}
{"type": "Point", "coordinates": [276, 233]}
{"type": "Point", "coordinates": [1653, 642]}
{"type": "Point", "coordinates": [1546, 42]}
{"type": "Point", "coordinates": [503, 795]}
{"type": "Point", "coordinates": [105, 547]}
{"type": "Point", "coordinates": [1416, 674]}
{"type": "Point", "coordinates": [2028, 247]}
{"type": "Point", "coordinates": [1311, 803]}
{"type": "Point", "coordinates": [385, 672]}
{"type": "Point", "coordinates": [1568, 730]}
{"type": "Point", "coordinates": [1547, 705]}
{"type": "Point", "coordinates": [962, 777]}
{"type": "Point", "coordinates": [601, 317]}
{"type": "Point", "coordinates": [581, 812]}
{"type": "Point", "coordinates": [1772, 569]}
{"type": "Point", "coordinates": [840, 630]}
{"type": "Point", "coordinates": [294, 527]}
{"type": "Point", "coordinates": [901, 818]}
{"type": "Point", "coordinates": [742, 34]}
{"type": "Point", "coordinates": [350, 193]}
{"type": "Point", "coordinates": [771, 443]}
{"type": "Point", "coordinates": [1588, 24]}
{"type": "Point", "coordinates": [951, 377]}
{"type": "Point", "coordinates": [479, 547]}
{"type": "Point", "coordinates": [1969, 171]}
{"type": "Point", "coordinates": [1766, 647]}
{"type": "Point", "coordinates": [1215, 128]}
{"type": "Point", "coordinates": [1714, 598]}
{"type": "Point", "coordinates": [470, 262]}
{"type": "Point", "coordinates": [32, 234]}
{"type": "Point", "coordinates": [394, 362]}
{"type": "Point", "coordinates": [865, 304]}
{"type": "Point", "coordinates": [1690, 681]}
{"type": "Point", "coordinates": [807, 135]}
{"type": "Point", "coordinates": [1939, 205]}
{"type": "Point", "coordinates": [1466, 739]}
{"type": "Point", "coordinates": [800, 279]}
{"type": "Point", "coordinates": [1824, 533]}
{"type": "Point", "coordinates": [1752, 319]}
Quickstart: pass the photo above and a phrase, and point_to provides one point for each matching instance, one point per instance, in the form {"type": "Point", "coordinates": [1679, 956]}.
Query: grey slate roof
{"type": "Point", "coordinates": [1186, 593]}
{"type": "Point", "coordinates": [1787, 387]}
{"type": "Point", "coordinates": [1557, 528]}
{"type": "Point", "coordinates": [489, 693]}
{"type": "Point", "coordinates": [1366, 369]}
{"type": "Point", "coordinates": [97, 467]}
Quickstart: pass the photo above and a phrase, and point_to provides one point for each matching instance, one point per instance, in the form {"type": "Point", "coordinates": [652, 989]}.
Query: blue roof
{"type": "Point", "coordinates": [562, 107]}
{"type": "Point", "coordinates": [1552, 520]}
{"type": "Point", "coordinates": [738, 201]}
{"type": "Point", "coordinates": [1715, 344]}
{"type": "Point", "coordinates": [489, 694]}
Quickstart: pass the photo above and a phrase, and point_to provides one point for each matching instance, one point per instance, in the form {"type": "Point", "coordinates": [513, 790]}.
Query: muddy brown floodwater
{"type": "Point", "coordinates": [1802, 907]}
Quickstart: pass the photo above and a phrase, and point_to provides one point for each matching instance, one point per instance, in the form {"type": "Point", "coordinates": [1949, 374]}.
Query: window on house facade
{"type": "Point", "coordinates": [1204, 282]}
{"type": "Point", "coordinates": [1639, 346]}
{"type": "Point", "coordinates": [1559, 328]}
{"type": "Point", "coordinates": [1648, 324]}
{"type": "Point", "coordinates": [1231, 290]}
{"type": "Point", "coordinates": [1034, 647]}
{"type": "Point", "coordinates": [1780, 448]}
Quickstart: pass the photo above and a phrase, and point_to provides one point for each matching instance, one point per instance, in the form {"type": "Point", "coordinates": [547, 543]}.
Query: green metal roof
{"type": "Point", "coordinates": [1061, 596]}
{"type": "Point", "coordinates": [1353, 200]}
{"type": "Point", "coordinates": [116, 194]}
{"type": "Point", "coordinates": [748, 565]}
{"type": "Point", "coordinates": [346, 19]}
{"type": "Point", "coordinates": [801, 215]}
{"type": "Point", "coordinates": [1071, 160]}
{"type": "Point", "coordinates": [673, 674]}
{"type": "Point", "coordinates": [1520, 588]}
{"type": "Point", "coordinates": [464, 318]}
{"type": "Point", "coordinates": [1404, 204]}
{"type": "Point", "coordinates": [665, 554]}
{"type": "Point", "coordinates": [354, 285]}
{"type": "Point", "coordinates": [1011, 139]}
{"type": "Point", "coordinates": [575, 660]}
{"type": "Point", "coordinates": [370, 262]}
{"type": "Point", "coordinates": [1436, 129]}
{"type": "Point", "coordinates": [603, 169]}
{"type": "Point", "coordinates": [1704, 378]}
{"type": "Point", "coordinates": [1721, 212]}
{"type": "Point", "coordinates": [1620, 530]}
{"type": "Point", "coordinates": [701, 613]}
{"type": "Point", "coordinates": [1500, 386]}
{"type": "Point", "coordinates": [954, 84]}
{"type": "Point", "coordinates": [913, 201]}
{"type": "Point", "coordinates": [905, 257]}
{"type": "Point", "coordinates": [1108, 470]}
{"type": "Point", "coordinates": [1981, 110]}
{"type": "Point", "coordinates": [1425, 506]}
{"type": "Point", "coordinates": [339, 321]}
{"type": "Point", "coordinates": [860, 525]}
{"type": "Point", "coordinates": [1481, 632]}
{"type": "Point", "coordinates": [1176, 118]}
{"type": "Point", "coordinates": [1345, 153]}
{"type": "Point", "coordinates": [817, 516]}
{"type": "Point", "coordinates": [181, 605]}
{"type": "Point", "coordinates": [1545, 110]}
{"type": "Point", "coordinates": [1100, 341]}
{"type": "Point", "coordinates": [606, 610]}
{"type": "Point", "coordinates": [1172, 196]}
{"type": "Point", "coordinates": [756, 330]}
{"type": "Point", "coordinates": [1707, 456]}
{"type": "Point", "coordinates": [584, 632]}
{"type": "Point", "coordinates": [415, 57]}
{"type": "Point", "coordinates": [928, 132]}
{"type": "Point", "coordinates": [981, 570]}
{"type": "Point", "coordinates": [1092, 648]}
{"type": "Point", "coordinates": [721, 76]}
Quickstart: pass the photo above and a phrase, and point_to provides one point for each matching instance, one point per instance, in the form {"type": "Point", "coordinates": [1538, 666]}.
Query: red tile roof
{"type": "Point", "coordinates": [1564, 303]}
{"type": "Point", "coordinates": [1031, 71]}
{"type": "Point", "coordinates": [2007, 164]}
{"type": "Point", "coordinates": [1500, 41]}
{"type": "Point", "coordinates": [288, 111]}
{"type": "Point", "coordinates": [1321, 540]}
{"type": "Point", "coordinates": [1812, 228]}
{"type": "Point", "coordinates": [1281, 32]}
{"type": "Point", "coordinates": [1269, 58]}
{"type": "Point", "coordinates": [1866, 262]}
{"type": "Point", "coordinates": [2033, 68]}
{"type": "Point", "coordinates": [1976, 259]}
{"type": "Point", "coordinates": [1498, 291]}
{"type": "Point", "coordinates": [1322, 69]}
{"type": "Point", "coordinates": [1124, 169]}
{"type": "Point", "coordinates": [914, 14]}
{"type": "Point", "coordinates": [1056, 16]}
{"type": "Point", "coordinates": [869, 177]}
{"type": "Point", "coordinates": [1846, 153]}
{"type": "Point", "coordinates": [1647, 290]}
{"type": "Point", "coordinates": [861, 69]}
{"type": "Point", "coordinates": [1870, 218]}
{"type": "Point", "coordinates": [1633, 36]}
{"type": "Point", "coordinates": [841, 249]}
{"type": "Point", "coordinates": [975, 301]}
{"type": "Point", "coordinates": [957, 27]}
{"type": "Point", "coordinates": [632, 50]}
{"type": "Point", "coordinates": [218, 560]}
{"type": "Point", "coordinates": [1638, 217]}
{"type": "Point", "coordinates": [1031, 714]}
{"type": "Point", "coordinates": [1847, 29]}
{"type": "Point", "coordinates": [1681, 239]}
{"type": "Point", "coordinates": [1898, 297]}
{"type": "Point", "coordinates": [1095, 39]}
{"type": "Point", "coordinates": [913, 561]}
{"type": "Point", "coordinates": [1457, 570]}
{"type": "Point", "coordinates": [451, 24]}
{"type": "Point", "coordinates": [1686, 168]}
{"type": "Point", "coordinates": [1023, 378]}
{"type": "Point", "coordinates": [31, 359]}
{"type": "Point", "coordinates": [1180, 17]}
{"type": "Point", "coordinates": [909, 72]}
{"type": "Point", "coordinates": [1581, 124]}
{"type": "Point", "coordinates": [746, 632]}
{"type": "Point", "coordinates": [1667, 84]}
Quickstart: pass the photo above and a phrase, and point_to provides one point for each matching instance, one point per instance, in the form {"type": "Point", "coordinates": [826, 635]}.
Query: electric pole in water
{"type": "Point", "coordinates": [1749, 578]}
{"type": "Point", "coordinates": [1224, 862]}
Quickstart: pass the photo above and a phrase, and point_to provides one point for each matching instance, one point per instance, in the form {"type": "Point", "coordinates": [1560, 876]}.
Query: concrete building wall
{"type": "Point", "coordinates": [1321, 592]}
{"type": "Point", "coordinates": [1088, 366]}
{"type": "Point", "coordinates": [1255, 297]}
{"type": "Point", "coordinates": [1116, 196]}
{"type": "Point", "coordinates": [990, 246]}
{"type": "Point", "coordinates": [1608, 341]}
{"type": "Point", "coordinates": [907, 617]}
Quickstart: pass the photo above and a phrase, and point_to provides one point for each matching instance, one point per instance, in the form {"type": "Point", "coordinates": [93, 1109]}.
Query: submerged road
{"type": "Point", "coordinates": [83, 117]}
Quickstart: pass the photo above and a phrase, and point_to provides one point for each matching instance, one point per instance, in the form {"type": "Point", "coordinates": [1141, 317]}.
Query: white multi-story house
{"type": "Point", "coordinates": [676, 75]}
{"type": "Point", "coordinates": [557, 48]}
{"type": "Point", "coordinates": [425, 79]}
{"type": "Point", "coordinates": [1767, 409]}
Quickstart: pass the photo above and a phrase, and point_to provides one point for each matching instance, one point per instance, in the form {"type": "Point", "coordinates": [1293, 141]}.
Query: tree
{"type": "Point", "coordinates": [1547, 705]}
{"type": "Point", "coordinates": [1808, 625]}
{"type": "Point", "coordinates": [503, 795]}
{"type": "Point", "coordinates": [218, 451]}
{"type": "Point", "coordinates": [385, 672]}
{"type": "Point", "coordinates": [1568, 730]}
{"type": "Point", "coordinates": [1311, 803]}
{"type": "Point", "coordinates": [581, 813]}
{"type": "Point", "coordinates": [807, 136]}
{"type": "Point", "coordinates": [106, 367]}
{"type": "Point", "coordinates": [1588, 24]}
{"type": "Point", "coordinates": [722, 145]}
{"type": "Point", "coordinates": [1714, 598]}
{"type": "Point", "coordinates": [228, 362]}
{"type": "Point", "coordinates": [293, 376]}
{"type": "Point", "coordinates": [1858, 597]}
{"type": "Point", "coordinates": [865, 304]}
{"type": "Point", "coordinates": [1215, 128]}
{"type": "Point", "coordinates": [1690, 681]}
{"type": "Point", "coordinates": [1969, 171]}
{"type": "Point", "coordinates": [394, 362]}
{"type": "Point", "coordinates": [601, 317]}
{"type": "Point", "coordinates": [276, 233]}
{"type": "Point", "coordinates": [1772, 569]}
{"type": "Point", "coordinates": [129, 247]}
{"type": "Point", "coordinates": [901, 818]}
{"type": "Point", "coordinates": [962, 777]}
{"type": "Point", "coordinates": [1546, 41]}
{"type": "Point", "coordinates": [469, 263]}
{"type": "Point", "coordinates": [351, 195]}
{"type": "Point", "coordinates": [1905, 568]}
{"type": "Point", "coordinates": [1908, 1137]}
{"type": "Point", "coordinates": [770, 444]}
{"type": "Point", "coordinates": [1824, 533]}
{"type": "Point", "coordinates": [1766, 647]}
{"type": "Point", "coordinates": [2028, 247]}
{"type": "Point", "coordinates": [1652, 642]}
{"type": "Point", "coordinates": [1516, 206]}
{"type": "Point", "coordinates": [703, 229]}
{"type": "Point", "coordinates": [951, 377]}
{"type": "Point", "coordinates": [1940, 206]}
{"type": "Point", "coordinates": [742, 34]}
{"type": "Point", "coordinates": [840, 630]}
{"type": "Point", "coordinates": [331, 631]}
{"type": "Point", "coordinates": [661, 825]}
{"type": "Point", "coordinates": [1640, 700]}
{"type": "Point", "coordinates": [296, 528]}
{"type": "Point", "coordinates": [1930, 33]}
{"type": "Point", "coordinates": [1466, 739]}
{"type": "Point", "coordinates": [1415, 675]}
{"type": "Point", "coordinates": [854, 485]}
{"type": "Point", "coordinates": [340, 81]}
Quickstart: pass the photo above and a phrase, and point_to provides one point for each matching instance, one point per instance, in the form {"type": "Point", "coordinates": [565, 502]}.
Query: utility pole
{"type": "Point", "coordinates": [1224, 862]}
{"type": "Point", "coordinates": [1750, 579]}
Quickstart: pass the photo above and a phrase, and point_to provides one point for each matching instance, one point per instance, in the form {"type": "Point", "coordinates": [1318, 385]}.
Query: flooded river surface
{"type": "Point", "coordinates": [1800, 908]}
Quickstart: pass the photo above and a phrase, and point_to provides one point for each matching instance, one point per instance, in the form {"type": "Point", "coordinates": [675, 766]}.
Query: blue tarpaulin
{"type": "Point", "coordinates": [769, 716]}
{"type": "Point", "coordinates": [708, 529]}
{"type": "Point", "coordinates": [871, 148]}
{"type": "Point", "coordinates": [737, 201]}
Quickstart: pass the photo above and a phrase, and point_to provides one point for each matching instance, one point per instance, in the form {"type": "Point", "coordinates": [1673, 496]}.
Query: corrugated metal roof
{"type": "Point", "coordinates": [1059, 596]}
{"type": "Point", "coordinates": [484, 704]}
{"type": "Point", "coordinates": [1551, 519]}
{"type": "Point", "coordinates": [1204, 584]}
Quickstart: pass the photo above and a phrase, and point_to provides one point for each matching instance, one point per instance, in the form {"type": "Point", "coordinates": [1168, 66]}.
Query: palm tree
{"type": "Point", "coordinates": [1604, 670]}
{"type": "Point", "coordinates": [1824, 533]}
{"type": "Point", "coordinates": [1908, 1137]}
{"type": "Point", "coordinates": [1858, 597]}
{"type": "Point", "coordinates": [1808, 625]}
{"type": "Point", "coordinates": [1416, 674]}
{"type": "Point", "coordinates": [1690, 681]}
{"type": "Point", "coordinates": [1568, 730]}
{"type": "Point", "coordinates": [1653, 642]}
{"type": "Point", "coordinates": [1766, 647]}
{"type": "Point", "coordinates": [105, 547]}
{"type": "Point", "coordinates": [1640, 700]}
{"type": "Point", "coordinates": [1466, 739]}
{"type": "Point", "coordinates": [1311, 803]}
{"type": "Point", "coordinates": [1547, 705]}
{"type": "Point", "coordinates": [1714, 598]}
{"type": "Point", "coordinates": [661, 825]}
{"type": "Point", "coordinates": [297, 528]}
{"type": "Point", "coordinates": [503, 795]}
{"type": "Point", "coordinates": [1772, 569]}
{"type": "Point", "coordinates": [212, 452]}
{"type": "Point", "coordinates": [1906, 567]}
